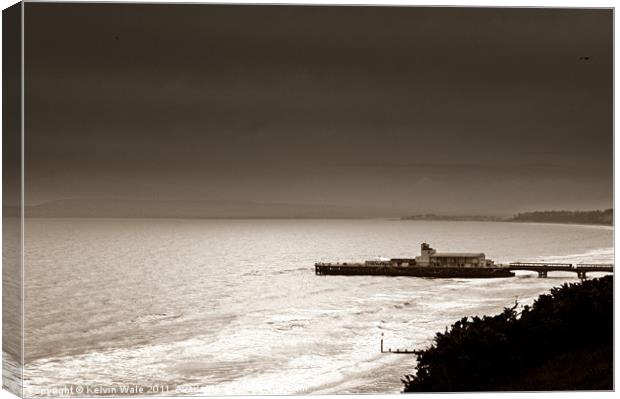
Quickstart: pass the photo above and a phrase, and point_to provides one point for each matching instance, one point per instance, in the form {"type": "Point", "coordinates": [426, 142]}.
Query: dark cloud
{"type": "Point", "coordinates": [369, 107]}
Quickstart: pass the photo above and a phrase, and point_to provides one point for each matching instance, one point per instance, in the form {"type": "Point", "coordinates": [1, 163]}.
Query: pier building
{"type": "Point", "coordinates": [430, 257]}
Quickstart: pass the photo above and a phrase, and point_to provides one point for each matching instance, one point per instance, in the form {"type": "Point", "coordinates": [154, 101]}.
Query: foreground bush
{"type": "Point", "coordinates": [564, 341]}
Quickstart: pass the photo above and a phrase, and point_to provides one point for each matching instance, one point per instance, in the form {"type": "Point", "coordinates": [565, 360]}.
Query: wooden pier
{"type": "Point", "coordinates": [433, 264]}
{"type": "Point", "coordinates": [499, 270]}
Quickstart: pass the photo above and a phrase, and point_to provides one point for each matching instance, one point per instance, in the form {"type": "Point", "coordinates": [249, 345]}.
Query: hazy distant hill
{"type": "Point", "coordinates": [121, 208]}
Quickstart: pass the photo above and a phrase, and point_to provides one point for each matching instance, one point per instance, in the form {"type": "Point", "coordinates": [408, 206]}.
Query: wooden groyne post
{"type": "Point", "coordinates": [397, 350]}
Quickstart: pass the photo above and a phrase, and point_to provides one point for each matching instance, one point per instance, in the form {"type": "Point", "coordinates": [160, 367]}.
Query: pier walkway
{"type": "Point", "coordinates": [543, 268]}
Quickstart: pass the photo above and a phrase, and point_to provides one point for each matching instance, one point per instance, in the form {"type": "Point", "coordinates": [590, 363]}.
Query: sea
{"type": "Point", "coordinates": [233, 307]}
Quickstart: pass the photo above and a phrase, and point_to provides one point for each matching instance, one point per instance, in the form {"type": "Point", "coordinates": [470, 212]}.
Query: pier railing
{"type": "Point", "coordinates": [539, 264]}
{"type": "Point", "coordinates": [543, 268]}
{"type": "Point", "coordinates": [595, 265]}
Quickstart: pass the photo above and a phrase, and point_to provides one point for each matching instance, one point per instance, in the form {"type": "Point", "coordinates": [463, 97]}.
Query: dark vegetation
{"type": "Point", "coordinates": [564, 341]}
{"type": "Point", "coordinates": [581, 217]}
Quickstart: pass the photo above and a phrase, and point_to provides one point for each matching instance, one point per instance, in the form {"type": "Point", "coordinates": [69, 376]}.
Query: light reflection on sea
{"type": "Point", "coordinates": [234, 306]}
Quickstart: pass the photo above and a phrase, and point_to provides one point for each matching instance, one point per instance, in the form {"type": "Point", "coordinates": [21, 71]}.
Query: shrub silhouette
{"type": "Point", "coordinates": [564, 341]}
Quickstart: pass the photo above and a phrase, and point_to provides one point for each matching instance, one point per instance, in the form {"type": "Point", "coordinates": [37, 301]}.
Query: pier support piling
{"type": "Point", "coordinates": [542, 274]}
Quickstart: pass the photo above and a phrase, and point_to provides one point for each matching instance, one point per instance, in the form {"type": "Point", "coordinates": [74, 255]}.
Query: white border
{"type": "Point", "coordinates": [480, 3]}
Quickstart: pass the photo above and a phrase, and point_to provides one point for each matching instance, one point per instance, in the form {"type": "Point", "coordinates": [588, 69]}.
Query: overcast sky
{"type": "Point", "coordinates": [390, 110]}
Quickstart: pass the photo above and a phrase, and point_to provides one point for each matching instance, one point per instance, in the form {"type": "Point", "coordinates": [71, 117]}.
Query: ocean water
{"type": "Point", "coordinates": [234, 307]}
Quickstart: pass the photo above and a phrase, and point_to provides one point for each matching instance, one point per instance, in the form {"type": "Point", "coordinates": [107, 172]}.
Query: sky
{"type": "Point", "coordinates": [363, 110]}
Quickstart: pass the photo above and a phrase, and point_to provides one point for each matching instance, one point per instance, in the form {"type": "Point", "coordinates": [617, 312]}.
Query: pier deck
{"type": "Point", "coordinates": [500, 270]}
{"type": "Point", "coordinates": [359, 269]}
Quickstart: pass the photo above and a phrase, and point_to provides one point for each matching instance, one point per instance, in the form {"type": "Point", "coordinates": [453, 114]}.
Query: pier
{"type": "Point", "coordinates": [435, 264]}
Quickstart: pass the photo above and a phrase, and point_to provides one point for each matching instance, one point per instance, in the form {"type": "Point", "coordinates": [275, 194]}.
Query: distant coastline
{"type": "Point", "coordinates": [596, 217]}
{"type": "Point", "coordinates": [170, 209]}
